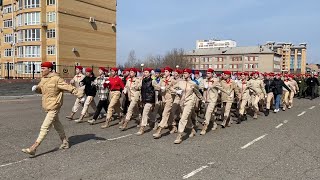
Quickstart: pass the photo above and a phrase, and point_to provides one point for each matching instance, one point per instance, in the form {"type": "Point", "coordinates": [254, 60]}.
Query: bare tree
{"type": "Point", "coordinates": [176, 57]}
{"type": "Point", "coordinates": [132, 60]}
{"type": "Point", "coordinates": [173, 58]}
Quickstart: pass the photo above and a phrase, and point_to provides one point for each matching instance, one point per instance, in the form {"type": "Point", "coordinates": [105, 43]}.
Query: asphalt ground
{"type": "Point", "coordinates": [285, 145]}
{"type": "Point", "coordinates": [12, 88]}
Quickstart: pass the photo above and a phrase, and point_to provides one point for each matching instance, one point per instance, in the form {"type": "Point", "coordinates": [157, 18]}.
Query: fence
{"type": "Point", "coordinates": [33, 70]}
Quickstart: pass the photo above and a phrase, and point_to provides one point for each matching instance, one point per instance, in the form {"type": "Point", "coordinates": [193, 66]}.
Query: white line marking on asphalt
{"type": "Point", "coordinates": [194, 172]}
{"type": "Point", "coordinates": [279, 125]}
{"type": "Point", "coordinates": [250, 143]}
{"type": "Point", "coordinates": [197, 170]}
{"type": "Point", "coordinates": [120, 137]}
{"type": "Point", "coordinates": [4, 165]}
{"type": "Point", "coordinates": [312, 107]}
{"type": "Point", "coordinates": [285, 121]}
{"type": "Point", "coordinates": [302, 113]}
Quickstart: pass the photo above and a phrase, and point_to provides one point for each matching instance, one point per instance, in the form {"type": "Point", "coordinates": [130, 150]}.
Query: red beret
{"type": "Point", "coordinates": [196, 72]}
{"type": "Point", "coordinates": [88, 70]}
{"type": "Point", "coordinates": [114, 69]}
{"type": "Point", "coordinates": [162, 70]}
{"type": "Point", "coordinates": [241, 73]}
{"type": "Point", "coordinates": [133, 69]}
{"type": "Point", "coordinates": [103, 69]}
{"type": "Point", "coordinates": [227, 72]}
{"type": "Point", "coordinates": [187, 70]}
{"type": "Point", "coordinates": [79, 67]}
{"type": "Point", "coordinates": [210, 70]}
{"type": "Point", "coordinates": [47, 64]}
{"type": "Point", "coordinates": [167, 68]}
{"type": "Point", "coordinates": [147, 69]}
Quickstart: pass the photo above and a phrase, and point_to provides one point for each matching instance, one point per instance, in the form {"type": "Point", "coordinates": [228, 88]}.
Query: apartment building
{"type": "Point", "coordinates": [293, 57]}
{"type": "Point", "coordinates": [235, 59]}
{"type": "Point", "coordinates": [65, 32]}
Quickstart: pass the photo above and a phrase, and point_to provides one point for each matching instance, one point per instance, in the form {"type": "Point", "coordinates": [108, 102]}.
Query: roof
{"type": "Point", "coordinates": [232, 50]}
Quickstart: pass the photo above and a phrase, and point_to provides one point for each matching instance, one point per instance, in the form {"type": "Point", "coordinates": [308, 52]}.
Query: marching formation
{"type": "Point", "coordinates": [169, 99]}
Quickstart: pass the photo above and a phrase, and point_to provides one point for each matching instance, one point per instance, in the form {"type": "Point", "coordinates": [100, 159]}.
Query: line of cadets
{"type": "Point", "coordinates": [178, 99]}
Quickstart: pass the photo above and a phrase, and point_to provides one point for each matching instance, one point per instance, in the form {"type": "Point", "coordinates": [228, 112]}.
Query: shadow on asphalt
{"type": "Point", "coordinates": [51, 151]}
{"type": "Point", "coordinates": [77, 139]}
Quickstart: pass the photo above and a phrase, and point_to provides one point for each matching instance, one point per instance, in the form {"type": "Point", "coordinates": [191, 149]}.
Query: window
{"type": "Point", "coordinates": [251, 58]}
{"type": "Point", "coordinates": [246, 66]}
{"type": "Point", "coordinates": [256, 58]}
{"type": "Point", "coordinates": [51, 50]}
{"type": "Point", "coordinates": [32, 18]}
{"type": "Point", "coordinates": [19, 20]}
{"type": "Point", "coordinates": [29, 51]}
{"type": "Point", "coordinates": [20, 51]}
{"type": "Point", "coordinates": [210, 65]}
{"type": "Point", "coordinates": [7, 23]}
{"type": "Point", "coordinates": [10, 66]}
{"type": "Point", "coordinates": [292, 62]}
{"type": "Point", "coordinates": [20, 4]}
{"type": "Point", "coordinates": [51, 2]}
{"type": "Point", "coordinates": [197, 66]}
{"type": "Point", "coordinates": [8, 38]}
{"type": "Point", "coordinates": [256, 66]}
{"type": "Point", "coordinates": [31, 3]}
{"type": "Point", "coordinates": [201, 66]}
{"type": "Point", "coordinates": [215, 66]}
{"type": "Point", "coordinates": [51, 33]}
{"type": "Point", "coordinates": [250, 66]}
{"type": "Point", "coordinates": [246, 58]}
{"type": "Point", "coordinates": [27, 67]}
{"type": "Point", "coordinates": [51, 17]}
{"type": "Point", "coordinates": [7, 9]}
{"type": "Point", "coordinates": [230, 66]}
{"type": "Point", "coordinates": [8, 52]}
{"type": "Point", "coordinates": [32, 35]}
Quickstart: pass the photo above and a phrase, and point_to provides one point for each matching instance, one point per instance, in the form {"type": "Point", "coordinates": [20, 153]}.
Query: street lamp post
{"type": "Point", "coordinates": [142, 67]}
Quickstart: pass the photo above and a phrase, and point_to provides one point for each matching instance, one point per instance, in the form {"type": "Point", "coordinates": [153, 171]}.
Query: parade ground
{"type": "Point", "coordinates": [282, 146]}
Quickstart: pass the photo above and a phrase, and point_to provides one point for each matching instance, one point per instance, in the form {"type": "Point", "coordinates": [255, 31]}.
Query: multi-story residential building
{"type": "Point", "coordinates": [294, 57]}
{"type": "Point", "coordinates": [65, 32]}
{"type": "Point", "coordinates": [208, 44]}
{"type": "Point", "coordinates": [236, 59]}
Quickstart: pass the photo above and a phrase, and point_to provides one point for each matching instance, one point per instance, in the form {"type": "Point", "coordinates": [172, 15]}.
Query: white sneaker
{"type": "Point", "coordinates": [91, 121]}
{"type": "Point", "coordinates": [276, 110]}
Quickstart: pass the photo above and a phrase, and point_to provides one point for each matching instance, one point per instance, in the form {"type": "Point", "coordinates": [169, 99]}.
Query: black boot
{"type": "Point", "coordinates": [266, 113]}
{"type": "Point", "coordinates": [245, 117]}
{"type": "Point", "coordinates": [239, 119]}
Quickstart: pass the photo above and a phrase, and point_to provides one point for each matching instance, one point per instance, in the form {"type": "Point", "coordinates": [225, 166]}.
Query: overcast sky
{"type": "Point", "coordinates": [157, 26]}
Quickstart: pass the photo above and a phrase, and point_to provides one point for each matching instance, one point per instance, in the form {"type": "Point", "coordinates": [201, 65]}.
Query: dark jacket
{"type": "Point", "coordinates": [269, 86]}
{"type": "Point", "coordinates": [147, 91]}
{"type": "Point", "coordinates": [312, 81]}
{"type": "Point", "coordinates": [89, 90]}
{"type": "Point", "coordinates": [278, 84]}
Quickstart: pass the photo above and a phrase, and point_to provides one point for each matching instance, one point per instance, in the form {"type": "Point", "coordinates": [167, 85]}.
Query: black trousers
{"type": "Point", "coordinates": [313, 91]}
{"type": "Point", "coordinates": [101, 104]}
{"type": "Point", "coordinates": [125, 104]}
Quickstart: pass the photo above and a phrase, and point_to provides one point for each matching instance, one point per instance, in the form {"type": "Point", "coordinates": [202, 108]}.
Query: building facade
{"type": "Point", "coordinates": [235, 59]}
{"type": "Point", "coordinates": [293, 57]}
{"type": "Point", "coordinates": [65, 32]}
{"type": "Point", "coordinates": [209, 44]}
